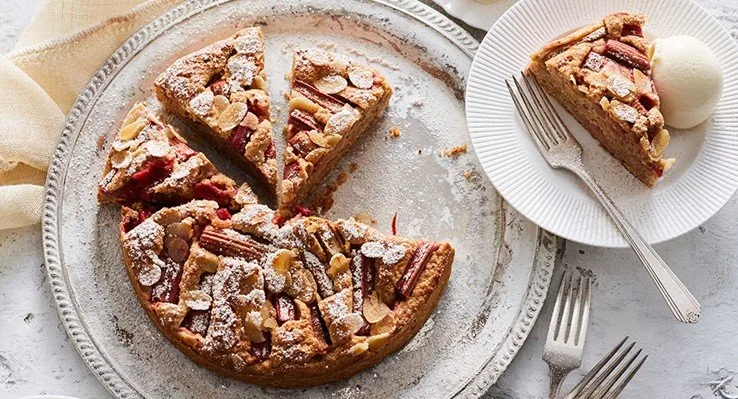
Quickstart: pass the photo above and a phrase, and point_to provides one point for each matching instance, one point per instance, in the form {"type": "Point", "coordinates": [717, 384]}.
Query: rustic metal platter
{"type": "Point", "coordinates": [503, 262]}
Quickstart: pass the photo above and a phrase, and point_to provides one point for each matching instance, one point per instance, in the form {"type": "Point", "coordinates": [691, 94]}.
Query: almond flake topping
{"type": "Point", "coordinates": [341, 121]}
{"type": "Point", "coordinates": [157, 148]}
{"type": "Point", "coordinates": [232, 116]}
{"type": "Point", "coordinates": [202, 103]}
{"type": "Point", "coordinates": [361, 77]}
{"type": "Point", "coordinates": [331, 84]}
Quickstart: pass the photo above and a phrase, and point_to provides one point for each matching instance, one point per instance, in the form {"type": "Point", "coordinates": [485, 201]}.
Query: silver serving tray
{"type": "Point", "coordinates": [503, 262]}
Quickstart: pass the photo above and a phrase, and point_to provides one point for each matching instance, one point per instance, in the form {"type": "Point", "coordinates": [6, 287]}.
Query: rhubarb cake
{"type": "Point", "coordinates": [333, 101]}
{"type": "Point", "coordinates": [299, 304]}
{"type": "Point", "coordinates": [151, 165]}
{"type": "Point", "coordinates": [601, 75]}
{"type": "Point", "coordinates": [221, 91]}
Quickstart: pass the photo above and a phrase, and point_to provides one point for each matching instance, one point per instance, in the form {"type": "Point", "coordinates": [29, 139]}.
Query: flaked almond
{"type": "Point", "coordinates": [331, 84]}
{"type": "Point", "coordinates": [157, 148]}
{"type": "Point", "coordinates": [259, 83]}
{"type": "Point", "coordinates": [270, 323]}
{"type": "Point", "coordinates": [149, 273]}
{"type": "Point", "coordinates": [303, 104]}
{"type": "Point", "coordinates": [177, 248]}
{"type": "Point", "coordinates": [659, 143]}
{"type": "Point", "coordinates": [206, 261]}
{"type": "Point", "coordinates": [180, 229]}
{"type": "Point", "coordinates": [119, 145]}
{"type": "Point", "coordinates": [361, 77]}
{"type": "Point", "coordinates": [232, 116]}
{"type": "Point", "coordinates": [120, 160]}
{"type": "Point", "coordinates": [131, 131]}
{"type": "Point", "coordinates": [338, 264]}
{"type": "Point", "coordinates": [318, 138]}
{"type": "Point", "coordinates": [374, 309]}
{"type": "Point", "coordinates": [377, 341]}
{"type": "Point", "coordinates": [359, 348]}
{"type": "Point", "coordinates": [283, 259]}
{"type": "Point", "coordinates": [341, 121]}
{"type": "Point", "coordinates": [221, 102]}
{"type": "Point", "coordinates": [386, 325]}
{"type": "Point", "coordinates": [250, 121]}
{"type": "Point", "coordinates": [197, 299]}
{"type": "Point", "coordinates": [342, 329]}
{"type": "Point", "coordinates": [252, 330]}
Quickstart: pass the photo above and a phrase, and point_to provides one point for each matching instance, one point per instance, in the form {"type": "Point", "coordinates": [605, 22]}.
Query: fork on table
{"type": "Point", "coordinates": [568, 328]}
{"type": "Point", "coordinates": [562, 150]}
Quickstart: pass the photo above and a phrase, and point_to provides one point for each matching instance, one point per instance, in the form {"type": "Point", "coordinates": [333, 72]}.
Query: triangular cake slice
{"type": "Point", "coordinates": [304, 303]}
{"type": "Point", "coordinates": [333, 101]}
{"type": "Point", "coordinates": [150, 165]}
{"type": "Point", "coordinates": [221, 92]}
{"type": "Point", "coordinates": [601, 75]}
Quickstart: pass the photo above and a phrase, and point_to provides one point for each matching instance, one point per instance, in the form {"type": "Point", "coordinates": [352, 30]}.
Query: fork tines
{"type": "Point", "coordinates": [608, 378]}
{"type": "Point", "coordinates": [537, 113]}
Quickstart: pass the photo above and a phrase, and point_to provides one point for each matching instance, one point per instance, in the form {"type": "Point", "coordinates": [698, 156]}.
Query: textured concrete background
{"type": "Point", "coordinates": [694, 362]}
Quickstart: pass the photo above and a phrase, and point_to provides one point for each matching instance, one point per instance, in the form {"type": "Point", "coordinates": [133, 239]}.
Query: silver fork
{"type": "Point", "coordinates": [601, 380]}
{"type": "Point", "coordinates": [568, 328]}
{"type": "Point", "coordinates": [562, 150]}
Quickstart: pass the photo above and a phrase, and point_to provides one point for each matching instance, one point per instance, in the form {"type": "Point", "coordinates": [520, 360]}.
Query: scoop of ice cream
{"type": "Point", "coordinates": [688, 79]}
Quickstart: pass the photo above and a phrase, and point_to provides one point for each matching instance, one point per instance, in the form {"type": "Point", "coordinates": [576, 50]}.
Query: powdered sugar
{"type": "Point", "coordinates": [373, 249]}
{"type": "Point", "coordinates": [341, 121]}
{"type": "Point", "coordinates": [394, 254]}
{"type": "Point", "coordinates": [202, 103]}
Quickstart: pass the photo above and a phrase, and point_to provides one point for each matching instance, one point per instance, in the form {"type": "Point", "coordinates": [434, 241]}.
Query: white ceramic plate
{"type": "Point", "coordinates": [476, 13]}
{"type": "Point", "coordinates": [703, 179]}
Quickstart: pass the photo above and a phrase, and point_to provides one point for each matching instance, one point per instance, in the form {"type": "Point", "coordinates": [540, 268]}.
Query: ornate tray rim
{"type": "Point", "coordinates": [53, 258]}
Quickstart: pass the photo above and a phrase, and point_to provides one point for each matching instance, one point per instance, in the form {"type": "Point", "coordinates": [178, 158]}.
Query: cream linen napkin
{"type": "Point", "coordinates": [63, 46]}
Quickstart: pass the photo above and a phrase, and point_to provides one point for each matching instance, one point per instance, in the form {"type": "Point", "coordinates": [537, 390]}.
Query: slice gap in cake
{"type": "Point", "coordinates": [297, 304]}
{"type": "Point", "coordinates": [150, 165]}
{"type": "Point", "coordinates": [332, 102]}
{"type": "Point", "coordinates": [601, 75]}
{"type": "Point", "coordinates": [220, 90]}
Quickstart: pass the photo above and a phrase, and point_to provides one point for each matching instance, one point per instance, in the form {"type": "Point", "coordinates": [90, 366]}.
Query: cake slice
{"type": "Point", "coordinates": [304, 303]}
{"type": "Point", "coordinates": [333, 101]}
{"type": "Point", "coordinates": [150, 166]}
{"type": "Point", "coordinates": [221, 92]}
{"type": "Point", "coordinates": [601, 75]}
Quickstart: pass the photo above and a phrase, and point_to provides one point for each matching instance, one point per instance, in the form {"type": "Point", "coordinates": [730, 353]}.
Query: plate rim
{"type": "Point", "coordinates": [547, 220]}
{"type": "Point", "coordinates": [74, 324]}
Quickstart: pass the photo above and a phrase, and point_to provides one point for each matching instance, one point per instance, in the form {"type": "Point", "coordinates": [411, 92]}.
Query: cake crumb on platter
{"type": "Point", "coordinates": [468, 174]}
{"type": "Point", "coordinates": [393, 133]}
{"type": "Point", "coordinates": [455, 151]}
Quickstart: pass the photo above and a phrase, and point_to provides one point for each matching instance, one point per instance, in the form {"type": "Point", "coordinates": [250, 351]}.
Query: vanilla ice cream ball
{"type": "Point", "coordinates": [688, 79]}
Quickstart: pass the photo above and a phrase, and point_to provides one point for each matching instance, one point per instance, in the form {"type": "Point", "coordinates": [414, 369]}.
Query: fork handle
{"type": "Point", "coordinates": [682, 303]}
{"type": "Point", "coordinates": [556, 377]}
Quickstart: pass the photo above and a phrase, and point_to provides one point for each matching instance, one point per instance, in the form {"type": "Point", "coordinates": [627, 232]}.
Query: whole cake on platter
{"type": "Point", "coordinates": [272, 297]}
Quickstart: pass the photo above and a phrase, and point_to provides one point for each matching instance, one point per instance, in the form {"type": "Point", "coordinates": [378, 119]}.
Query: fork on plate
{"type": "Point", "coordinates": [568, 329]}
{"type": "Point", "coordinates": [562, 150]}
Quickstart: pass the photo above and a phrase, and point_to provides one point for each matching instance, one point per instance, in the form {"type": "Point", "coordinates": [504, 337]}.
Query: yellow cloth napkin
{"type": "Point", "coordinates": [63, 46]}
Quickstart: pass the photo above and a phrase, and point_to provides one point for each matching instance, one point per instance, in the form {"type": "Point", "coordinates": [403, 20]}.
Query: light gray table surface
{"type": "Point", "coordinates": [685, 361]}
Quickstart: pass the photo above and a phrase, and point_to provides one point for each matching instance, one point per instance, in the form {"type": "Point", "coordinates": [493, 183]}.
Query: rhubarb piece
{"type": "Point", "coordinates": [321, 331]}
{"type": "Point", "coordinates": [627, 54]}
{"type": "Point", "coordinates": [220, 90]}
{"type": "Point", "coordinates": [221, 243]}
{"type": "Point", "coordinates": [606, 85]}
{"type": "Point", "coordinates": [313, 94]}
{"type": "Point", "coordinates": [362, 274]}
{"type": "Point", "coordinates": [261, 350]}
{"type": "Point", "coordinates": [285, 308]}
{"type": "Point", "coordinates": [415, 268]}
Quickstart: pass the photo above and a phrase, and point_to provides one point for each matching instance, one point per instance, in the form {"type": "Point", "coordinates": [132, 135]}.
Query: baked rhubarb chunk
{"type": "Point", "coordinates": [333, 101]}
{"type": "Point", "coordinates": [294, 305]}
{"type": "Point", "coordinates": [221, 92]}
{"type": "Point", "coordinates": [151, 165]}
{"type": "Point", "coordinates": [601, 75]}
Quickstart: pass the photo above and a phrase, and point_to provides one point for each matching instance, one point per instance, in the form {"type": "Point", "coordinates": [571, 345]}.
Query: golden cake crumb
{"type": "Point", "coordinates": [468, 174]}
{"type": "Point", "coordinates": [393, 133]}
{"type": "Point", "coordinates": [455, 151]}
